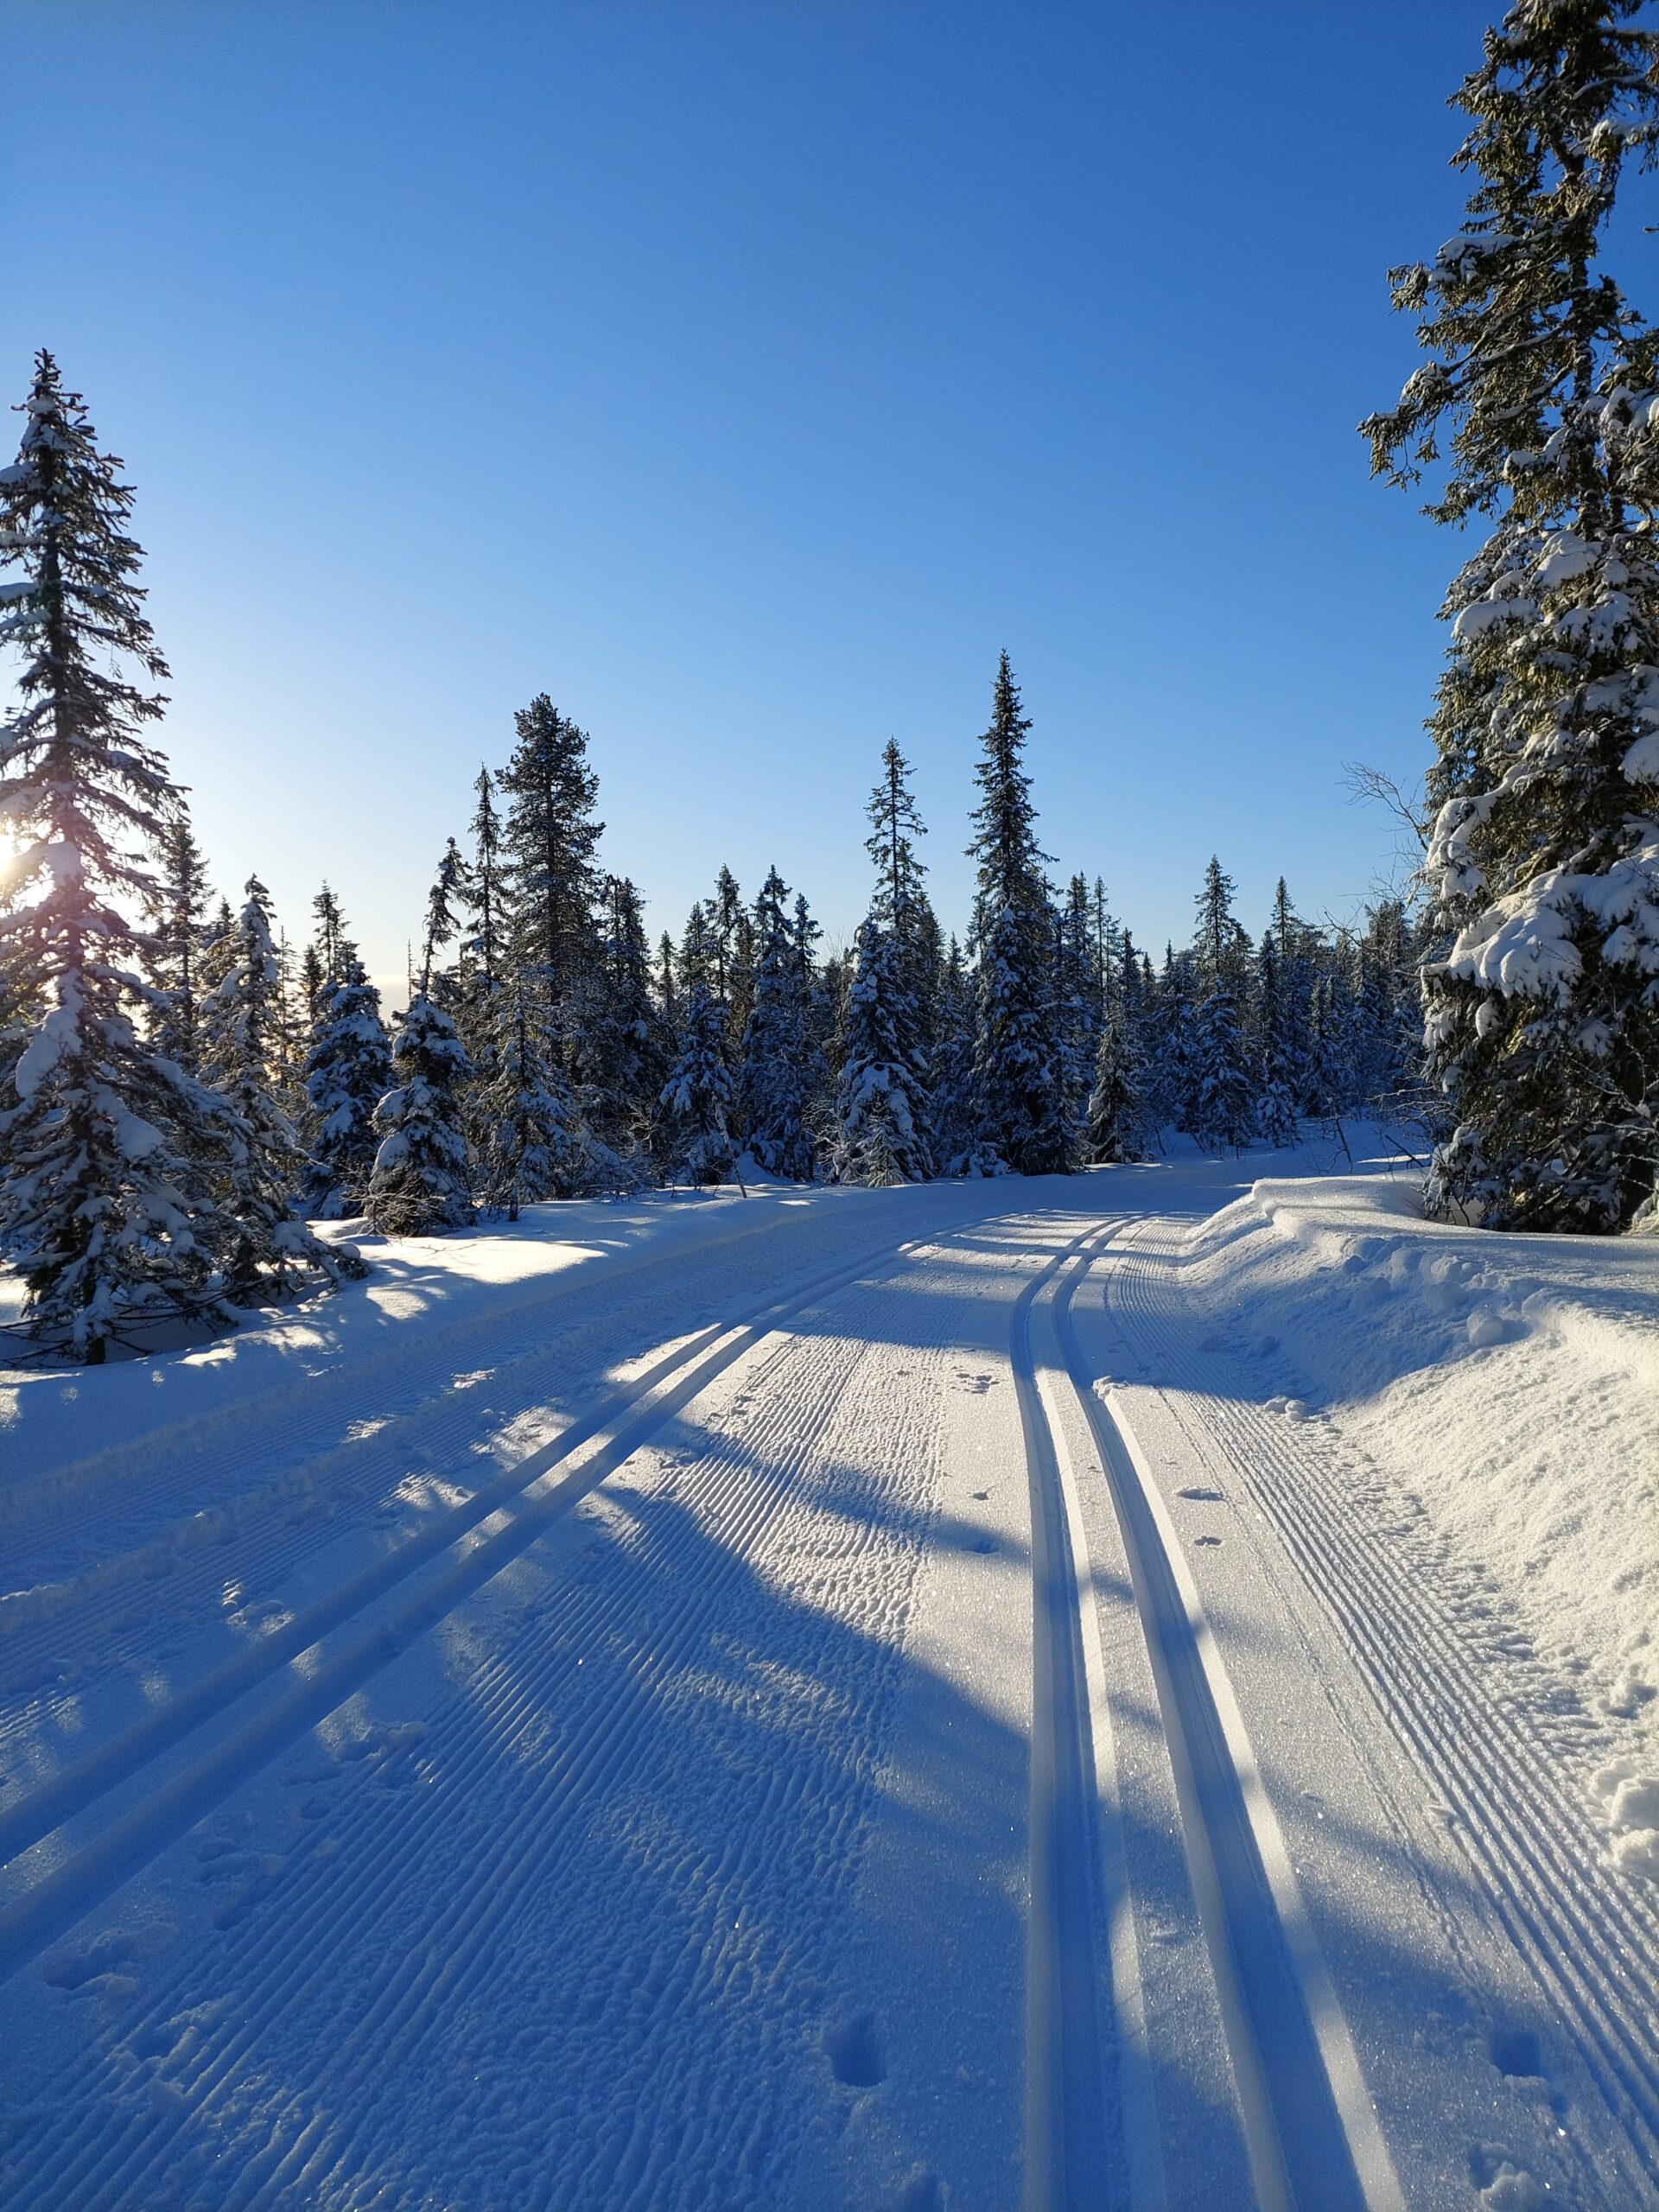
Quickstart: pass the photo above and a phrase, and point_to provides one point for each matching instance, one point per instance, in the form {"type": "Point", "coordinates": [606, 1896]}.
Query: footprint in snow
{"type": "Point", "coordinates": [853, 2046]}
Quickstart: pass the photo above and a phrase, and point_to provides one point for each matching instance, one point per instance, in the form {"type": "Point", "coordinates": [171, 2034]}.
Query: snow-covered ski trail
{"type": "Point", "coordinates": [1067, 2164]}
{"type": "Point", "coordinates": [1590, 1940]}
{"type": "Point", "coordinates": [510, 1512]}
{"type": "Point", "coordinates": [1313, 2135]}
{"type": "Point", "coordinates": [808, 1758]}
{"type": "Point", "coordinates": [485, 1787]}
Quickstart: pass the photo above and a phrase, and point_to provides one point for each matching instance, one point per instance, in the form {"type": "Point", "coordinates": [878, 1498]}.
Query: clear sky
{"type": "Point", "coordinates": [746, 376]}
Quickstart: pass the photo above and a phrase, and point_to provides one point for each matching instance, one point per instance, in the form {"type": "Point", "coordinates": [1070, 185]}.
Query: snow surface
{"type": "Point", "coordinates": [1127, 1688]}
{"type": "Point", "coordinates": [1510, 1383]}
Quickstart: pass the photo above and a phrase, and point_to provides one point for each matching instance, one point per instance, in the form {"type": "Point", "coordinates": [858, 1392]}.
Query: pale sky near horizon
{"type": "Point", "coordinates": [745, 376]}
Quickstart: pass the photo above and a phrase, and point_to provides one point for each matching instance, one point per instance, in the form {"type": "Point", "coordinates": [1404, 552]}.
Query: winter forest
{"type": "Point", "coordinates": [187, 1082]}
{"type": "Point", "coordinates": [973, 1530]}
{"type": "Point", "coordinates": [176, 1066]}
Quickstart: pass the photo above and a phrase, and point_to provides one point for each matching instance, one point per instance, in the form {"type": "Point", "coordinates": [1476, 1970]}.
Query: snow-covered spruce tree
{"type": "Point", "coordinates": [954, 1102]}
{"type": "Point", "coordinates": [420, 1181]}
{"type": "Point", "coordinates": [1166, 1005]}
{"type": "Point", "coordinates": [779, 1075]}
{"type": "Point", "coordinates": [880, 1107]}
{"type": "Point", "coordinates": [1118, 1128]}
{"type": "Point", "coordinates": [482, 966]}
{"type": "Point", "coordinates": [1270, 1045]}
{"type": "Point", "coordinates": [268, 1253]}
{"type": "Point", "coordinates": [550, 840]}
{"type": "Point", "coordinates": [1393, 1025]}
{"type": "Point", "coordinates": [909, 975]}
{"type": "Point", "coordinates": [822, 1018]}
{"type": "Point", "coordinates": [1293, 943]}
{"type": "Point", "coordinates": [347, 1072]}
{"type": "Point", "coordinates": [104, 1208]}
{"type": "Point", "coordinates": [698, 1098]}
{"type": "Point", "coordinates": [624, 1049]}
{"type": "Point", "coordinates": [1335, 1080]}
{"type": "Point", "coordinates": [1020, 1096]}
{"type": "Point", "coordinates": [1220, 1105]}
{"type": "Point", "coordinates": [1542, 995]}
{"type": "Point", "coordinates": [1077, 1017]}
{"type": "Point", "coordinates": [533, 1145]}
{"type": "Point", "coordinates": [731, 953]}
{"type": "Point", "coordinates": [173, 958]}
{"type": "Point", "coordinates": [292, 1032]}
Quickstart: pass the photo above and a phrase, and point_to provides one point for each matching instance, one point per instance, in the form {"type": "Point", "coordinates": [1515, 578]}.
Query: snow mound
{"type": "Point", "coordinates": [1509, 1382]}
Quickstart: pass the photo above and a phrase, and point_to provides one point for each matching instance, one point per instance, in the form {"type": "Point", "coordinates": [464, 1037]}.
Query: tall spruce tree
{"type": "Point", "coordinates": [1220, 1105]}
{"type": "Point", "coordinates": [178, 921]}
{"type": "Point", "coordinates": [908, 975]}
{"type": "Point", "coordinates": [956, 1111]}
{"type": "Point", "coordinates": [778, 1070]}
{"type": "Point", "coordinates": [420, 1181]}
{"type": "Point", "coordinates": [550, 838]}
{"type": "Point", "coordinates": [1020, 1095]}
{"type": "Point", "coordinates": [626, 1053]}
{"type": "Point", "coordinates": [532, 1146]}
{"type": "Point", "coordinates": [269, 1254]}
{"type": "Point", "coordinates": [880, 1107]}
{"type": "Point", "coordinates": [347, 1072]}
{"type": "Point", "coordinates": [1542, 1002]}
{"type": "Point", "coordinates": [104, 1208]}
{"type": "Point", "coordinates": [1077, 1005]}
{"type": "Point", "coordinates": [698, 1098]}
{"type": "Point", "coordinates": [1118, 1128]}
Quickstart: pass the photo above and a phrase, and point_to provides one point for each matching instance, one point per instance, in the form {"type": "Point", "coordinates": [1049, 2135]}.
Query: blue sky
{"type": "Point", "coordinates": [746, 376]}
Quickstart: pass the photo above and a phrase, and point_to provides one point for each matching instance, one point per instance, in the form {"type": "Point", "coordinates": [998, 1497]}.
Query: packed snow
{"type": "Point", "coordinates": [1134, 1686]}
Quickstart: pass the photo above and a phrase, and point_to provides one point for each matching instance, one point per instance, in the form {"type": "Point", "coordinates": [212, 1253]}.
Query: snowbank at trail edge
{"type": "Point", "coordinates": [1510, 1385]}
{"type": "Point", "coordinates": [55, 1422]}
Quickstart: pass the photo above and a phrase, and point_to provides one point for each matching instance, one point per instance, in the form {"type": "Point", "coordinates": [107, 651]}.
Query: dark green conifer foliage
{"type": "Point", "coordinates": [269, 1252]}
{"type": "Point", "coordinates": [103, 1207]}
{"type": "Point", "coordinates": [1118, 1130]}
{"type": "Point", "coordinates": [347, 1072]}
{"type": "Point", "coordinates": [1220, 1103]}
{"type": "Point", "coordinates": [780, 1071]}
{"type": "Point", "coordinates": [1020, 1105]}
{"type": "Point", "coordinates": [627, 1052]}
{"type": "Point", "coordinates": [178, 921]}
{"type": "Point", "coordinates": [698, 1098]}
{"type": "Point", "coordinates": [420, 1181]}
{"type": "Point", "coordinates": [1541, 999]}
{"type": "Point", "coordinates": [549, 841]}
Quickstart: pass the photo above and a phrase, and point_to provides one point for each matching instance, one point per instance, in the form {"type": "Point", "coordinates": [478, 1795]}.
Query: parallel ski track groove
{"type": "Point", "coordinates": [278, 1521]}
{"type": "Point", "coordinates": [1303, 2154]}
{"type": "Point", "coordinates": [47, 1807]}
{"type": "Point", "coordinates": [328, 1909]}
{"type": "Point", "coordinates": [607, 1751]}
{"type": "Point", "coordinates": [106, 2175]}
{"type": "Point", "coordinates": [1067, 2165]}
{"type": "Point", "coordinates": [1557, 1903]}
{"type": "Point", "coordinates": [208, 1442]}
{"type": "Point", "coordinates": [276, 1527]}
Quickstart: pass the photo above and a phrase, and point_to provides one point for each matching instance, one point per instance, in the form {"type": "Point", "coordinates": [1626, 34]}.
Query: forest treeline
{"type": "Point", "coordinates": [182, 1096]}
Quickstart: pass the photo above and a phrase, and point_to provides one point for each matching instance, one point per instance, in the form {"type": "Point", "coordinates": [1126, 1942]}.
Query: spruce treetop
{"type": "Point", "coordinates": [1520, 321]}
{"type": "Point", "coordinates": [1005, 840]}
{"type": "Point", "coordinates": [80, 792]}
{"type": "Point", "coordinates": [895, 822]}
